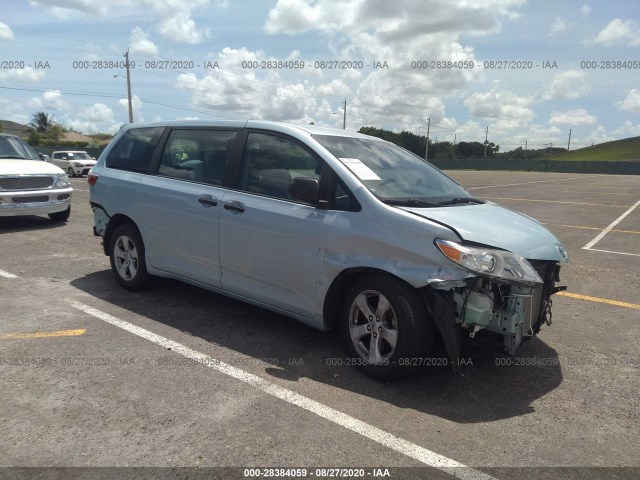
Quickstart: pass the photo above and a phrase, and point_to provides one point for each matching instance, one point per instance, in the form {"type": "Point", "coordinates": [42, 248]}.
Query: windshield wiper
{"type": "Point", "coordinates": [14, 157]}
{"type": "Point", "coordinates": [457, 200]}
{"type": "Point", "coordinates": [409, 202]}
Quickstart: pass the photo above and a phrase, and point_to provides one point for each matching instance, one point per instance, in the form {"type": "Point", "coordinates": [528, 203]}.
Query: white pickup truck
{"type": "Point", "coordinates": [74, 162]}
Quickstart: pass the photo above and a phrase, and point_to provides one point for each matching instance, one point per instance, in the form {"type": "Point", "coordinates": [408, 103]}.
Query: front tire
{"type": "Point", "coordinates": [385, 328]}
{"type": "Point", "coordinates": [126, 253]}
{"type": "Point", "coordinates": [70, 173]}
{"type": "Point", "coordinates": [62, 216]}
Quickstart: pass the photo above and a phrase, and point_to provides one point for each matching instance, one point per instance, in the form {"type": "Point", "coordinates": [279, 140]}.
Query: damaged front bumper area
{"type": "Point", "coordinates": [515, 312]}
{"type": "Point", "coordinates": [516, 309]}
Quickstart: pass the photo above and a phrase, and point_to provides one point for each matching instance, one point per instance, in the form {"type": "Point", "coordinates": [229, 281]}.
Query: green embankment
{"type": "Point", "coordinates": [627, 149]}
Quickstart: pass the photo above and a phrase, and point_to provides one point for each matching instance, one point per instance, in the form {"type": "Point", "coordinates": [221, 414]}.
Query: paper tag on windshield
{"type": "Point", "coordinates": [360, 169]}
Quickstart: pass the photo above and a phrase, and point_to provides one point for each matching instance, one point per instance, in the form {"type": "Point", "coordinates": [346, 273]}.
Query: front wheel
{"type": "Point", "coordinates": [126, 253]}
{"type": "Point", "coordinates": [62, 216]}
{"type": "Point", "coordinates": [385, 328]}
{"type": "Point", "coordinates": [70, 172]}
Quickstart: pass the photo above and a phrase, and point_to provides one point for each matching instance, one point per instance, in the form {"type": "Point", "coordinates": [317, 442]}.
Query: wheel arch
{"type": "Point", "coordinates": [114, 222]}
{"type": "Point", "coordinates": [339, 287]}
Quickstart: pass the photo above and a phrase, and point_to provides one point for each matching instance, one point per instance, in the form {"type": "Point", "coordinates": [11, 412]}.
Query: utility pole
{"type": "Point", "coordinates": [126, 64]}
{"type": "Point", "coordinates": [569, 145]}
{"type": "Point", "coordinates": [525, 149]}
{"type": "Point", "coordinates": [486, 141]}
{"type": "Point", "coordinates": [426, 152]}
{"type": "Point", "coordinates": [344, 118]}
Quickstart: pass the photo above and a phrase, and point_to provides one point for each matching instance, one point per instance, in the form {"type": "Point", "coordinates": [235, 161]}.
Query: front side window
{"type": "Point", "coordinates": [199, 155]}
{"type": "Point", "coordinates": [394, 174]}
{"type": "Point", "coordinates": [270, 163]}
{"type": "Point", "coordinates": [134, 149]}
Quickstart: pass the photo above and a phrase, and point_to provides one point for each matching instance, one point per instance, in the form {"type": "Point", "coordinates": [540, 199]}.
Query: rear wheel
{"type": "Point", "coordinates": [126, 253]}
{"type": "Point", "coordinates": [385, 328]}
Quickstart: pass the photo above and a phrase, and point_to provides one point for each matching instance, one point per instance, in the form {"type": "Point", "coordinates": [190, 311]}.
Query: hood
{"type": "Point", "coordinates": [28, 167]}
{"type": "Point", "coordinates": [495, 226]}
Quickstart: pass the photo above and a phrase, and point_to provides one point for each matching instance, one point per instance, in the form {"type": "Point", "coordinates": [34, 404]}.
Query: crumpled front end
{"type": "Point", "coordinates": [514, 311]}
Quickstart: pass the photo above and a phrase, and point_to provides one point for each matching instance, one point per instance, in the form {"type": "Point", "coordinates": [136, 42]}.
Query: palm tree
{"type": "Point", "coordinates": [41, 122]}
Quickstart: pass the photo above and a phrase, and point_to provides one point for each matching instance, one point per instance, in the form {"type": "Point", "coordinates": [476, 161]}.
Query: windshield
{"type": "Point", "coordinates": [80, 156]}
{"type": "Point", "coordinates": [14, 147]}
{"type": "Point", "coordinates": [394, 174]}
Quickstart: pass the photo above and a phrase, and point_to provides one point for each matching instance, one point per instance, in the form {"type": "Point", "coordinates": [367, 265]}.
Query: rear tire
{"type": "Point", "coordinates": [62, 216]}
{"type": "Point", "coordinates": [385, 328]}
{"type": "Point", "coordinates": [126, 253]}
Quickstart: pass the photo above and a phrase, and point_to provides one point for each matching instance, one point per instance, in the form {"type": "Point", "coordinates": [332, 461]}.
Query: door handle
{"type": "Point", "coordinates": [234, 206]}
{"type": "Point", "coordinates": [208, 200]}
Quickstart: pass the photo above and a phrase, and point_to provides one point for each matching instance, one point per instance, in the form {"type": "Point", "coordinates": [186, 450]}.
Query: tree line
{"type": "Point", "coordinates": [446, 150]}
{"type": "Point", "coordinates": [437, 150]}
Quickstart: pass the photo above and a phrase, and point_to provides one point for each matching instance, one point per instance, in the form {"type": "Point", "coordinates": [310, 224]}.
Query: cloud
{"type": "Point", "coordinates": [20, 76]}
{"type": "Point", "coordinates": [578, 116]}
{"type": "Point", "coordinates": [334, 88]}
{"type": "Point", "coordinates": [50, 100]}
{"type": "Point", "coordinates": [567, 85]}
{"type": "Point", "coordinates": [140, 42]}
{"type": "Point", "coordinates": [5, 32]}
{"type": "Point", "coordinates": [623, 33]}
{"type": "Point", "coordinates": [599, 135]}
{"type": "Point", "coordinates": [251, 93]}
{"type": "Point", "coordinates": [68, 9]}
{"type": "Point", "coordinates": [388, 19]}
{"type": "Point", "coordinates": [498, 104]}
{"type": "Point", "coordinates": [378, 30]}
{"type": "Point", "coordinates": [181, 28]}
{"type": "Point", "coordinates": [559, 26]}
{"type": "Point", "coordinates": [585, 10]}
{"type": "Point", "coordinates": [631, 102]}
{"type": "Point", "coordinates": [97, 118]}
{"type": "Point", "coordinates": [627, 129]}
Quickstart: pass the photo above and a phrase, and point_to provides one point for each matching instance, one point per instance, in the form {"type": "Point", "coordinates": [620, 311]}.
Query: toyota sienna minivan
{"type": "Point", "coordinates": [334, 228]}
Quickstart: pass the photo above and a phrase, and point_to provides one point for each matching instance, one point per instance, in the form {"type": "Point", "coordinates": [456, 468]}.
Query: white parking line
{"type": "Point", "coordinates": [527, 183]}
{"type": "Point", "coordinates": [7, 274]}
{"type": "Point", "coordinates": [602, 234]}
{"type": "Point", "coordinates": [378, 435]}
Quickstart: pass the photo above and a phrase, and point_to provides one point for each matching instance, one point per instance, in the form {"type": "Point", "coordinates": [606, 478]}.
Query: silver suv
{"type": "Point", "coordinates": [330, 227]}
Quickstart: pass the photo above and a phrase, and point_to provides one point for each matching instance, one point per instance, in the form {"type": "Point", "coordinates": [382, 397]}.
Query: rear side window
{"type": "Point", "coordinates": [133, 150]}
{"type": "Point", "coordinates": [200, 155]}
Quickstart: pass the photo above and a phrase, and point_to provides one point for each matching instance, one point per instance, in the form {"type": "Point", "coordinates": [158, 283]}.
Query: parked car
{"type": "Point", "coordinates": [29, 185]}
{"type": "Point", "coordinates": [44, 156]}
{"type": "Point", "coordinates": [74, 162]}
{"type": "Point", "coordinates": [330, 227]}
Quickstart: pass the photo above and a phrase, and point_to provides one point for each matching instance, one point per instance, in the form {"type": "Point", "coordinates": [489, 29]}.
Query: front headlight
{"type": "Point", "coordinates": [498, 265]}
{"type": "Point", "coordinates": [62, 181]}
{"type": "Point", "coordinates": [77, 164]}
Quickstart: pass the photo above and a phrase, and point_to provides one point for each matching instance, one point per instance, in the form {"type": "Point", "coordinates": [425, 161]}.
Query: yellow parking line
{"type": "Point", "coordinates": [589, 228]}
{"type": "Point", "coordinates": [556, 201]}
{"type": "Point", "coordinates": [59, 333]}
{"type": "Point", "coordinates": [599, 300]}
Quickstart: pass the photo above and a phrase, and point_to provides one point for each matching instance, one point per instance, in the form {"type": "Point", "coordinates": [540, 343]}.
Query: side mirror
{"type": "Point", "coordinates": [306, 190]}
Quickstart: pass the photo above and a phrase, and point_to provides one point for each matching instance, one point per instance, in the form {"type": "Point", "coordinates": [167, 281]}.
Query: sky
{"type": "Point", "coordinates": [520, 73]}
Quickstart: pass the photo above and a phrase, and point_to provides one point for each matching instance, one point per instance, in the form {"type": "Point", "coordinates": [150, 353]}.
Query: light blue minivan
{"type": "Point", "coordinates": [330, 227]}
